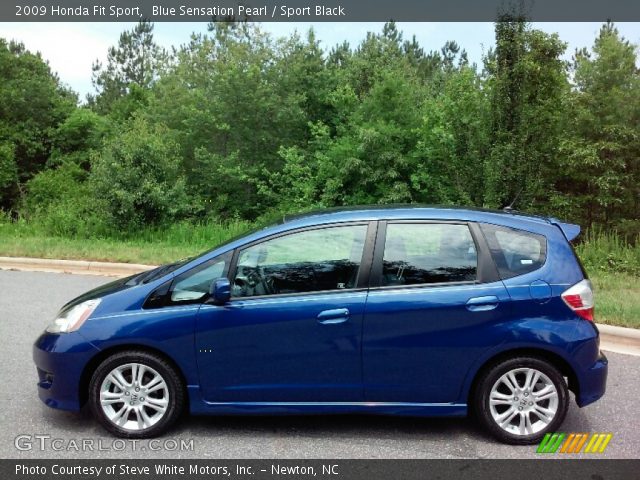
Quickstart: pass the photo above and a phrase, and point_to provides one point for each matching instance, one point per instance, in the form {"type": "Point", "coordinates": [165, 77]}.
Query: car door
{"type": "Point", "coordinates": [292, 330]}
{"type": "Point", "coordinates": [435, 306]}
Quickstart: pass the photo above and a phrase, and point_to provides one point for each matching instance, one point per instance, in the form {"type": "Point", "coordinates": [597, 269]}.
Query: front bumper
{"type": "Point", "coordinates": [593, 382]}
{"type": "Point", "coordinates": [60, 361]}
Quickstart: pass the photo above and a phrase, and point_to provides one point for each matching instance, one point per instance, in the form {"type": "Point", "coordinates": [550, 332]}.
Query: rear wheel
{"type": "Point", "coordinates": [136, 394]}
{"type": "Point", "coordinates": [521, 399]}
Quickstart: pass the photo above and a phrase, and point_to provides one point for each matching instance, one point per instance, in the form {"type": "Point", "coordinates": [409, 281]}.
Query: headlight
{"type": "Point", "coordinates": [72, 319]}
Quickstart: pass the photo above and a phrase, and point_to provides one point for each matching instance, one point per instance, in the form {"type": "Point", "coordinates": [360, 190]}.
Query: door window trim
{"type": "Point", "coordinates": [486, 271]}
{"type": "Point", "coordinates": [364, 272]}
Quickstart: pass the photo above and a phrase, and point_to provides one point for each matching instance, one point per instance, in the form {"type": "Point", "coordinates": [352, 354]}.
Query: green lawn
{"type": "Point", "coordinates": [617, 297]}
{"type": "Point", "coordinates": [617, 294]}
{"type": "Point", "coordinates": [127, 251]}
{"type": "Point", "coordinates": [149, 246]}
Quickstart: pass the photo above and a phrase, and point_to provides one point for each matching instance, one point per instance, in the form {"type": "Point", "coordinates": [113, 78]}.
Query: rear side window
{"type": "Point", "coordinates": [427, 253]}
{"type": "Point", "coordinates": [514, 251]}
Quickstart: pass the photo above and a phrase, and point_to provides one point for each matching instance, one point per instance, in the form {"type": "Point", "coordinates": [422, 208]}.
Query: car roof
{"type": "Point", "coordinates": [510, 218]}
{"type": "Point", "coordinates": [412, 212]}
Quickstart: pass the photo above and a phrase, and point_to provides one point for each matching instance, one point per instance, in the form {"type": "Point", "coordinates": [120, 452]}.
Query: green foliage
{"type": "Point", "coordinates": [617, 299]}
{"type": "Point", "coordinates": [179, 151]}
{"type": "Point", "coordinates": [296, 186]}
{"type": "Point", "coordinates": [150, 245]}
{"type": "Point", "coordinates": [32, 105]}
{"type": "Point", "coordinates": [601, 161]}
{"type": "Point", "coordinates": [131, 67]}
{"type": "Point", "coordinates": [8, 170]}
{"type": "Point", "coordinates": [528, 83]}
{"type": "Point", "coordinates": [606, 251]}
{"type": "Point", "coordinates": [77, 137]}
{"type": "Point", "coordinates": [238, 126]}
{"type": "Point", "coordinates": [53, 185]}
{"type": "Point", "coordinates": [370, 159]}
{"type": "Point", "coordinates": [453, 142]}
{"type": "Point", "coordinates": [59, 200]}
{"type": "Point", "coordinates": [136, 177]}
{"type": "Point", "coordinates": [228, 103]}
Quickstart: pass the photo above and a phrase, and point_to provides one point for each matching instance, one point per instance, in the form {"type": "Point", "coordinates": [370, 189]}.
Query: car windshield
{"type": "Point", "coordinates": [155, 273]}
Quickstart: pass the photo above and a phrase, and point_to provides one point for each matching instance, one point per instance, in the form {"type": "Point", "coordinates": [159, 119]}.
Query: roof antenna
{"type": "Point", "coordinates": [509, 208]}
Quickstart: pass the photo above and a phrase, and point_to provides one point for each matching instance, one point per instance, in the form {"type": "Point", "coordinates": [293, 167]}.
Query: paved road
{"type": "Point", "coordinates": [28, 300]}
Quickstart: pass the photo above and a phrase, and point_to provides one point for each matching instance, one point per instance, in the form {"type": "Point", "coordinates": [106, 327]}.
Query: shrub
{"type": "Point", "coordinates": [606, 251]}
{"type": "Point", "coordinates": [8, 170]}
{"type": "Point", "coordinates": [137, 177]}
{"type": "Point", "coordinates": [60, 202]}
{"type": "Point", "coordinates": [52, 186]}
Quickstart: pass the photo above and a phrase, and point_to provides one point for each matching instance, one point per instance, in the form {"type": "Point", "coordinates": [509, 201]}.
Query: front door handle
{"type": "Point", "coordinates": [331, 317]}
{"type": "Point", "coordinates": [482, 304]}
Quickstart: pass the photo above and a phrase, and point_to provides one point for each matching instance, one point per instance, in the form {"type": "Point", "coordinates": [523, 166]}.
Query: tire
{"type": "Point", "coordinates": [136, 394]}
{"type": "Point", "coordinates": [496, 399]}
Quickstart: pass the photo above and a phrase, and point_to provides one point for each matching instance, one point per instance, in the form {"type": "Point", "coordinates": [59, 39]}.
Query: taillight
{"type": "Point", "coordinates": [579, 298]}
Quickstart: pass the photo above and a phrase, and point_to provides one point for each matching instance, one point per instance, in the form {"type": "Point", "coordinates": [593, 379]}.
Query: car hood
{"type": "Point", "coordinates": [102, 291]}
{"type": "Point", "coordinates": [143, 278]}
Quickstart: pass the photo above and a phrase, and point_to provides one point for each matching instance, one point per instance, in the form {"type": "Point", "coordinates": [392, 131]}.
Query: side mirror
{"type": "Point", "coordinates": [220, 291]}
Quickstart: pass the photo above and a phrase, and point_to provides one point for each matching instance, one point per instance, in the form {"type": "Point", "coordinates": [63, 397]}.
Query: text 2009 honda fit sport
{"type": "Point", "coordinates": [400, 311]}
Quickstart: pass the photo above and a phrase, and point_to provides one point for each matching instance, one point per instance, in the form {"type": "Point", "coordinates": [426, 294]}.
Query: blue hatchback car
{"type": "Point", "coordinates": [402, 311]}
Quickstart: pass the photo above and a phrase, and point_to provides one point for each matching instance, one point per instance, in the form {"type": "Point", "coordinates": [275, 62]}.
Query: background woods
{"type": "Point", "coordinates": [176, 151]}
{"type": "Point", "coordinates": [238, 126]}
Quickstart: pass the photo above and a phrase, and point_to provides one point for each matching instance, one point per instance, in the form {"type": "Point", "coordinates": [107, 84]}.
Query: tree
{"type": "Point", "coordinates": [528, 84]}
{"type": "Point", "coordinates": [387, 139]}
{"type": "Point", "coordinates": [134, 62]}
{"type": "Point", "coordinates": [229, 103]}
{"type": "Point", "coordinates": [8, 168]}
{"type": "Point", "coordinates": [237, 123]}
{"type": "Point", "coordinates": [302, 70]}
{"type": "Point", "coordinates": [32, 105]}
{"type": "Point", "coordinates": [78, 137]}
{"type": "Point", "coordinates": [601, 169]}
{"type": "Point", "coordinates": [369, 160]}
{"type": "Point", "coordinates": [453, 142]}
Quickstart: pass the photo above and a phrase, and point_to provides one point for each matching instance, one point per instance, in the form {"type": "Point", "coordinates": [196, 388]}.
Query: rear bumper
{"type": "Point", "coordinates": [60, 361]}
{"type": "Point", "coordinates": [593, 382]}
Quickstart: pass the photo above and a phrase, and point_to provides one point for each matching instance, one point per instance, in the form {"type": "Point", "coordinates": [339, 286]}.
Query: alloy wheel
{"type": "Point", "coordinates": [523, 401]}
{"type": "Point", "coordinates": [134, 396]}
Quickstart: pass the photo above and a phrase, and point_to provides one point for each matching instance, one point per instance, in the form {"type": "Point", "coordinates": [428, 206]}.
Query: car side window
{"type": "Point", "coordinates": [425, 253]}
{"type": "Point", "coordinates": [307, 261]}
{"type": "Point", "coordinates": [193, 285]}
{"type": "Point", "coordinates": [515, 251]}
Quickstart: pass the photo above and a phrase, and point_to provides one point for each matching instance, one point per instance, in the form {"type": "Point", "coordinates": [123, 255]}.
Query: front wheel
{"type": "Point", "coordinates": [521, 399]}
{"type": "Point", "coordinates": [136, 394]}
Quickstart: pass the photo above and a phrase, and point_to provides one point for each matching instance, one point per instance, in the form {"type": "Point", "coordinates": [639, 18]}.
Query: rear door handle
{"type": "Point", "coordinates": [482, 304]}
{"type": "Point", "coordinates": [331, 317]}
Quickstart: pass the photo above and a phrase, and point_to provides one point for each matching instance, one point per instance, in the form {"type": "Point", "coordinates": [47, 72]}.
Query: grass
{"type": "Point", "coordinates": [614, 266]}
{"type": "Point", "coordinates": [149, 246]}
{"type": "Point", "coordinates": [604, 251]}
{"type": "Point", "coordinates": [617, 297]}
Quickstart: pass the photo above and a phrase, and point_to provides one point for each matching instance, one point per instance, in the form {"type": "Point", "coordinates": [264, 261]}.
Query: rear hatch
{"type": "Point", "coordinates": [570, 231]}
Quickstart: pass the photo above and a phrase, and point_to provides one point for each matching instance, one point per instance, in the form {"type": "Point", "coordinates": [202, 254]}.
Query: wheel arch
{"type": "Point", "coordinates": [551, 357]}
{"type": "Point", "coordinates": [102, 355]}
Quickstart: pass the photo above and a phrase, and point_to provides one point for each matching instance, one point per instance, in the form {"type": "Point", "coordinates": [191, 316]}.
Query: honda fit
{"type": "Point", "coordinates": [399, 311]}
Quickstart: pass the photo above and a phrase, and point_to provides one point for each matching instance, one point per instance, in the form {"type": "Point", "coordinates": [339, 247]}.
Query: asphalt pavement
{"type": "Point", "coordinates": [29, 300]}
